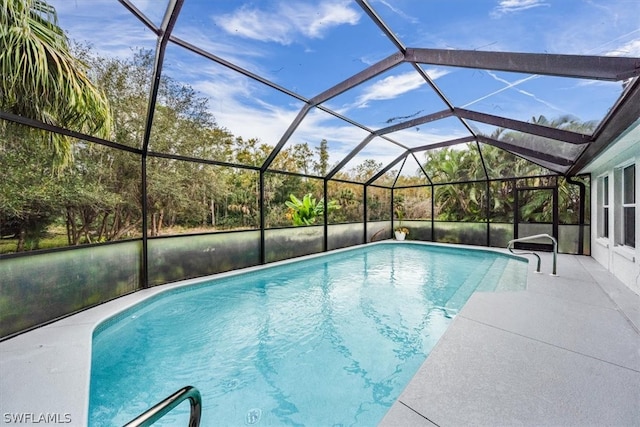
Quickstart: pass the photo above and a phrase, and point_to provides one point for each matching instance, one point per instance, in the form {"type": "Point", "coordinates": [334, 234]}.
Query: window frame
{"type": "Point", "coordinates": [627, 239]}
{"type": "Point", "coordinates": [604, 205]}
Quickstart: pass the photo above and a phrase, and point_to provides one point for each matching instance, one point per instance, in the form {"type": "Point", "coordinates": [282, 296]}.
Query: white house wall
{"type": "Point", "coordinates": [622, 261]}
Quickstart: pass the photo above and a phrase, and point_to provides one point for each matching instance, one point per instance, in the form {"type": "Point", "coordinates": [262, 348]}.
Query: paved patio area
{"type": "Point", "coordinates": [564, 352]}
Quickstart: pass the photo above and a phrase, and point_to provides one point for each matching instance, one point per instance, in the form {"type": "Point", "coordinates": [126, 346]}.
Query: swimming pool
{"type": "Point", "coordinates": [331, 340]}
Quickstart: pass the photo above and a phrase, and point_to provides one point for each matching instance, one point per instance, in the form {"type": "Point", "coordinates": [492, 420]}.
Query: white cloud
{"type": "Point", "coordinates": [511, 6]}
{"type": "Point", "coordinates": [394, 86]}
{"type": "Point", "coordinates": [631, 48]}
{"type": "Point", "coordinates": [242, 56]}
{"type": "Point", "coordinates": [435, 74]}
{"type": "Point", "coordinates": [227, 95]}
{"type": "Point", "coordinates": [287, 22]}
{"type": "Point", "coordinates": [117, 35]}
{"type": "Point", "coordinates": [236, 105]}
{"type": "Point", "coordinates": [399, 12]}
{"type": "Point", "coordinates": [391, 87]}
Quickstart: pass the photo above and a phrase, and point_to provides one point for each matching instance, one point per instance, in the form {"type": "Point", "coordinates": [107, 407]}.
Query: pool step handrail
{"type": "Point", "coordinates": [158, 411]}
{"type": "Point", "coordinates": [534, 237]}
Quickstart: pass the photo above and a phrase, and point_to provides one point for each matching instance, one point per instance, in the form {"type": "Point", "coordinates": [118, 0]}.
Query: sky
{"type": "Point", "coordinates": [306, 47]}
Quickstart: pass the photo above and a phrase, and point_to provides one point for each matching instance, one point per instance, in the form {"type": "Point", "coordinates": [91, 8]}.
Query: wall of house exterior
{"type": "Point", "coordinates": [609, 245]}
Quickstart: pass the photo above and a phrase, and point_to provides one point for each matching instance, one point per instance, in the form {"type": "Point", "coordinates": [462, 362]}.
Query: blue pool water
{"type": "Point", "coordinates": [329, 341]}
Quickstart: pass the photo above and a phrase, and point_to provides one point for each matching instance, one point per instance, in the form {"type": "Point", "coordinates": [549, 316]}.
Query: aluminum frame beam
{"type": "Point", "coordinates": [560, 161]}
{"type": "Point", "coordinates": [386, 169]}
{"type": "Point", "coordinates": [620, 117]}
{"type": "Point", "coordinates": [576, 66]}
{"type": "Point", "coordinates": [358, 78]}
{"type": "Point", "coordinates": [415, 122]}
{"type": "Point", "coordinates": [37, 124]}
{"type": "Point", "coordinates": [442, 144]}
{"type": "Point", "coordinates": [350, 156]}
{"type": "Point", "coordinates": [231, 66]}
{"type": "Point", "coordinates": [287, 134]}
{"type": "Point", "coordinates": [381, 24]}
{"type": "Point", "coordinates": [141, 16]}
{"type": "Point", "coordinates": [531, 128]}
{"type": "Point", "coordinates": [168, 22]}
{"type": "Point", "coordinates": [421, 168]}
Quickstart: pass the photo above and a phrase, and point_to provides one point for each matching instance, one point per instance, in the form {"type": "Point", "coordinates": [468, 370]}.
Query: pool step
{"type": "Point", "coordinates": [513, 277]}
{"type": "Point", "coordinates": [490, 280]}
{"type": "Point", "coordinates": [504, 274]}
{"type": "Point", "coordinates": [465, 290]}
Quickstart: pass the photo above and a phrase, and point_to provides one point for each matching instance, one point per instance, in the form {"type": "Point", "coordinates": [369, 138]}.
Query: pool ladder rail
{"type": "Point", "coordinates": [535, 237]}
{"type": "Point", "coordinates": [162, 408]}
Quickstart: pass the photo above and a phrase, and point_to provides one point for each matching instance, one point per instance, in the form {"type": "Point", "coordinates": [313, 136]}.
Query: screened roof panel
{"type": "Point", "coordinates": [207, 93]}
{"type": "Point", "coordinates": [503, 164]}
{"type": "Point", "coordinates": [460, 162]}
{"type": "Point", "coordinates": [153, 10]}
{"type": "Point", "coordinates": [411, 173]}
{"type": "Point", "coordinates": [387, 179]}
{"type": "Point", "coordinates": [551, 167]}
{"type": "Point", "coordinates": [563, 102]}
{"type": "Point", "coordinates": [293, 44]}
{"type": "Point", "coordinates": [371, 159]}
{"type": "Point", "coordinates": [395, 96]}
{"type": "Point", "coordinates": [318, 126]}
{"type": "Point", "coordinates": [534, 26]}
{"type": "Point", "coordinates": [429, 133]}
{"type": "Point", "coordinates": [554, 151]}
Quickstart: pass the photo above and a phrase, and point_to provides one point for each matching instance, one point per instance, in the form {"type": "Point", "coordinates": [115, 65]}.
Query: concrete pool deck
{"type": "Point", "coordinates": [564, 352]}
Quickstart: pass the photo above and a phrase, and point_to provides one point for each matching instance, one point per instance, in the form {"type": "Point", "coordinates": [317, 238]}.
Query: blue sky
{"type": "Point", "coordinates": [309, 46]}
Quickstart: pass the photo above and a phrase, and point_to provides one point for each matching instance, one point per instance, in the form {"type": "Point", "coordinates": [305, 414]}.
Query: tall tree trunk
{"type": "Point", "coordinates": [154, 228]}
{"type": "Point", "coordinates": [72, 232]}
{"type": "Point", "coordinates": [160, 218]}
{"type": "Point", "coordinates": [21, 239]}
{"type": "Point", "coordinates": [68, 226]}
{"type": "Point", "coordinates": [123, 230]}
{"type": "Point", "coordinates": [115, 227]}
{"type": "Point", "coordinates": [103, 227]}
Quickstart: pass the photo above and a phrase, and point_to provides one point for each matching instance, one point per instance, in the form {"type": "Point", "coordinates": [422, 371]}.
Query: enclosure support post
{"type": "Point", "coordinates": [393, 201]}
{"type": "Point", "coordinates": [144, 270]}
{"type": "Point", "coordinates": [168, 22]}
{"type": "Point", "coordinates": [516, 208]}
{"type": "Point", "coordinates": [581, 211]}
{"type": "Point", "coordinates": [262, 221]}
{"type": "Point", "coordinates": [433, 204]}
{"type": "Point", "coordinates": [365, 212]}
{"type": "Point", "coordinates": [488, 199]}
{"type": "Point", "coordinates": [556, 215]}
{"type": "Point", "coordinates": [325, 240]}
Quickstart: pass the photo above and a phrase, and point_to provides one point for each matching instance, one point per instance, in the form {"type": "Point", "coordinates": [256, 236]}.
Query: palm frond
{"type": "Point", "coordinates": [41, 79]}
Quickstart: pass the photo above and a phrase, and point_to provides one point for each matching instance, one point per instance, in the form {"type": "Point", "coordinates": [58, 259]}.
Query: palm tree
{"type": "Point", "coordinates": [41, 79]}
{"type": "Point", "coordinates": [457, 201]}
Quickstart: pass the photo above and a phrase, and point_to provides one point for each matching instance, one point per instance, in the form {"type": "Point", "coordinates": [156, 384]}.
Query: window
{"type": "Point", "coordinates": [603, 201]}
{"type": "Point", "coordinates": [629, 205]}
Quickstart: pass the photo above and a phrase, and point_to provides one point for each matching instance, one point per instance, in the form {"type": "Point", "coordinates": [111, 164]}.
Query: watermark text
{"type": "Point", "coordinates": [36, 418]}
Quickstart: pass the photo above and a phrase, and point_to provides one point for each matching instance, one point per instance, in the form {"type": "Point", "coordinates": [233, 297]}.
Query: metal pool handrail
{"type": "Point", "coordinates": [534, 237]}
{"type": "Point", "coordinates": [161, 409]}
